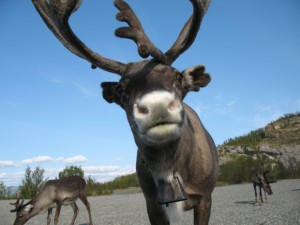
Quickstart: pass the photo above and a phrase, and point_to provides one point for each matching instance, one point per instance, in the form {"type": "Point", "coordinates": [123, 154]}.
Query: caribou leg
{"type": "Point", "coordinates": [57, 212]}
{"type": "Point", "coordinates": [202, 211]}
{"type": "Point", "coordinates": [49, 216]}
{"type": "Point", "coordinates": [83, 198]}
{"type": "Point", "coordinates": [254, 186]}
{"type": "Point", "coordinates": [75, 209]}
{"type": "Point", "coordinates": [260, 194]}
{"type": "Point", "coordinates": [266, 199]}
{"type": "Point", "coordinates": [156, 213]}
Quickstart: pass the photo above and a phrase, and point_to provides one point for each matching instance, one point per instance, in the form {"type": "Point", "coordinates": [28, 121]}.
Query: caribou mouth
{"type": "Point", "coordinates": [161, 133]}
{"type": "Point", "coordinates": [162, 123]}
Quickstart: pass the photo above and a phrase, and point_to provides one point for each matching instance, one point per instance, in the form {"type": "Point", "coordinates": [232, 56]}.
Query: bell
{"type": "Point", "coordinates": [170, 191]}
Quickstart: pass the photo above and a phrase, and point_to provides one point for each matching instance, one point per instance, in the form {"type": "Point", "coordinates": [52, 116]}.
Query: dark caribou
{"type": "Point", "coordinates": [176, 158]}
{"type": "Point", "coordinates": [260, 179]}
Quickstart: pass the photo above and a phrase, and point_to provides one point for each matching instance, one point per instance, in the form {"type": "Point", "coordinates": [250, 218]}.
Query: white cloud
{"type": "Point", "coordinates": [101, 169]}
{"type": "Point", "coordinates": [107, 173]}
{"type": "Point", "coordinates": [99, 173]}
{"type": "Point", "coordinates": [75, 159]}
{"type": "Point", "coordinates": [7, 164]}
{"type": "Point", "coordinates": [44, 159]}
{"type": "Point", "coordinates": [38, 159]}
{"type": "Point", "coordinates": [12, 179]}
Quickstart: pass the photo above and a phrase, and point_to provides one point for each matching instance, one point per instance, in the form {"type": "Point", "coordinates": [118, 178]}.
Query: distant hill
{"type": "Point", "coordinates": [279, 140]}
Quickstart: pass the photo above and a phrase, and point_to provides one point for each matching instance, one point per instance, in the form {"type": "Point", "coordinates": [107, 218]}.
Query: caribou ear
{"type": "Point", "coordinates": [28, 208]}
{"type": "Point", "coordinates": [195, 78]}
{"type": "Point", "coordinates": [108, 91]}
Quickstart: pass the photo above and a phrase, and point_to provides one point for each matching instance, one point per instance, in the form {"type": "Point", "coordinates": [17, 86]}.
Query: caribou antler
{"type": "Point", "coordinates": [17, 205]}
{"type": "Point", "coordinates": [56, 14]}
{"type": "Point", "coordinates": [145, 46]}
{"type": "Point", "coordinates": [189, 31]}
{"type": "Point", "coordinates": [136, 33]}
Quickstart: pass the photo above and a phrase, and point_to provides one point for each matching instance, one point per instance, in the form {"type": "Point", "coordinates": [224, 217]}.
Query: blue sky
{"type": "Point", "coordinates": [51, 109]}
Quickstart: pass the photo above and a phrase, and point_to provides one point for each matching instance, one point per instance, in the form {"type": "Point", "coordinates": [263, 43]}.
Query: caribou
{"type": "Point", "coordinates": [53, 194]}
{"type": "Point", "coordinates": [176, 158]}
{"type": "Point", "coordinates": [260, 179]}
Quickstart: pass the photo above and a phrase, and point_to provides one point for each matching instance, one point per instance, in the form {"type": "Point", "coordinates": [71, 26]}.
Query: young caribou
{"type": "Point", "coordinates": [53, 194]}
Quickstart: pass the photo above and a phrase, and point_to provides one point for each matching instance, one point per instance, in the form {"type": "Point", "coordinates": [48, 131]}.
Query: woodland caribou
{"type": "Point", "coordinates": [260, 179]}
{"type": "Point", "coordinates": [176, 158]}
{"type": "Point", "coordinates": [53, 194]}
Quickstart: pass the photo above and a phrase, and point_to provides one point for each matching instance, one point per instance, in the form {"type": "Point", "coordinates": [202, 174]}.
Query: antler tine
{"type": "Point", "coordinates": [189, 31]}
{"type": "Point", "coordinates": [55, 14]}
{"type": "Point", "coordinates": [136, 33]}
{"type": "Point", "coordinates": [17, 205]}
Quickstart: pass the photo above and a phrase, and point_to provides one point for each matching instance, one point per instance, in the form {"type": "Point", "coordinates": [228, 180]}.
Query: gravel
{"type": "Point", "coordinates": [232, 205]}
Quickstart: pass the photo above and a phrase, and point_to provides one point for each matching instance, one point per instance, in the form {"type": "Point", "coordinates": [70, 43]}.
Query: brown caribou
{"type": "Point", "coordinates": [260, 179]}
{"type": "Point", "coordinates": [53, 194]}
{"type": "Point", "coordinates": [176, 158]}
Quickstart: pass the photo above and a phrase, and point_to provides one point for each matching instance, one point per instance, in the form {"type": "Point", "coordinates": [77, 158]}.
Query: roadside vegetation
{"type": "Point", "coordinates": [234, 171]}
{"type": "Point", "coordinates": [238, 169]}
{"type": "Point", "coordinates": [34, 178]}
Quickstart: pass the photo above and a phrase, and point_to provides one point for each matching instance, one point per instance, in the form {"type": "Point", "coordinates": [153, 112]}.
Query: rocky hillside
{"type": "Point", "coordinates": [277, 140]}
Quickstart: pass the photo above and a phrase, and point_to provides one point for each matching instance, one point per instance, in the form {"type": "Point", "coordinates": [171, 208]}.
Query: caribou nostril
{"type": "Point", "coordinates": [142, 109]}
{"type": "Point", "coordinates": [173, 105]}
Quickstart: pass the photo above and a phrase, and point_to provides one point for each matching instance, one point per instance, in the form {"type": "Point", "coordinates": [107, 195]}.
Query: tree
{"type": "Point", "coordinates": [31, 182]}
{"type": "Point", "coordinates": [5, 191]}
{"type": "Point", "coordinates": [71, 171]}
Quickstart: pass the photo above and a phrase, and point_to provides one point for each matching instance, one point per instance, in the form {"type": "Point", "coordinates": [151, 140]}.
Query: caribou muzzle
{"type": "Point", "coordinates": [158, 116]}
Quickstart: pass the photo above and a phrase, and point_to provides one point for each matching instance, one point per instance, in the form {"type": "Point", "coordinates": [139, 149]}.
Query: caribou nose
{"type": "Point", "coordinates": [156, 102]}
{"type": "Point", "coordinates": [155, 109]}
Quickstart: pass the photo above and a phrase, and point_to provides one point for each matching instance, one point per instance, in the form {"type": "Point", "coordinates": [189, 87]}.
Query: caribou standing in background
{"type": "Point", "coordinates": [260, 179]}
{"type": "Point", "coordinates": [176, 158]}
{"type": "Point", "coordinates": [54, 193]}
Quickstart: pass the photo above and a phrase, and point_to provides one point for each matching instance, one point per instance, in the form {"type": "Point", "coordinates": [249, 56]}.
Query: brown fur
{"type": "Point", "coordinates": [54, 194]}
{"type": "Point", "coordinates": [173, 146]}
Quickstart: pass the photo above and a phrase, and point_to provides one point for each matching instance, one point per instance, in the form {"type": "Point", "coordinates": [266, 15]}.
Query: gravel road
{"type": "Point", "coordinates": [231, 205]}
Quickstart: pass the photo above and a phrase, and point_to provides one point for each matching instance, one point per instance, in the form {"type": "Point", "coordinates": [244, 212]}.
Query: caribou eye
{"type": "Point", "coordinates": [118, 90]}
{"type": "Point", "coordinates": [124, 98]}
{"type": "Point", "coordinates": [179, 77]}
{"type": "Point", "coordinates": [121, 94]}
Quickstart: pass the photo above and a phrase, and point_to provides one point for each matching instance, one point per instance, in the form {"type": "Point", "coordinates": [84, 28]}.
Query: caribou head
{"type": "Point", "coordinates": [175, 152]}
{"type": "Point", "coordinates": [22, 211]}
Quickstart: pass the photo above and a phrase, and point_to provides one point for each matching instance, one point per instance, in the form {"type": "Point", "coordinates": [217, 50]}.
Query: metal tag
{"type": "Point", "coordinates": [170, 191]}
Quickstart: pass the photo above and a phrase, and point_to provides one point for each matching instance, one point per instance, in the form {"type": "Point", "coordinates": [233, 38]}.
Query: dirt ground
{"type": "Point", "coordinates": [232, 204]}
